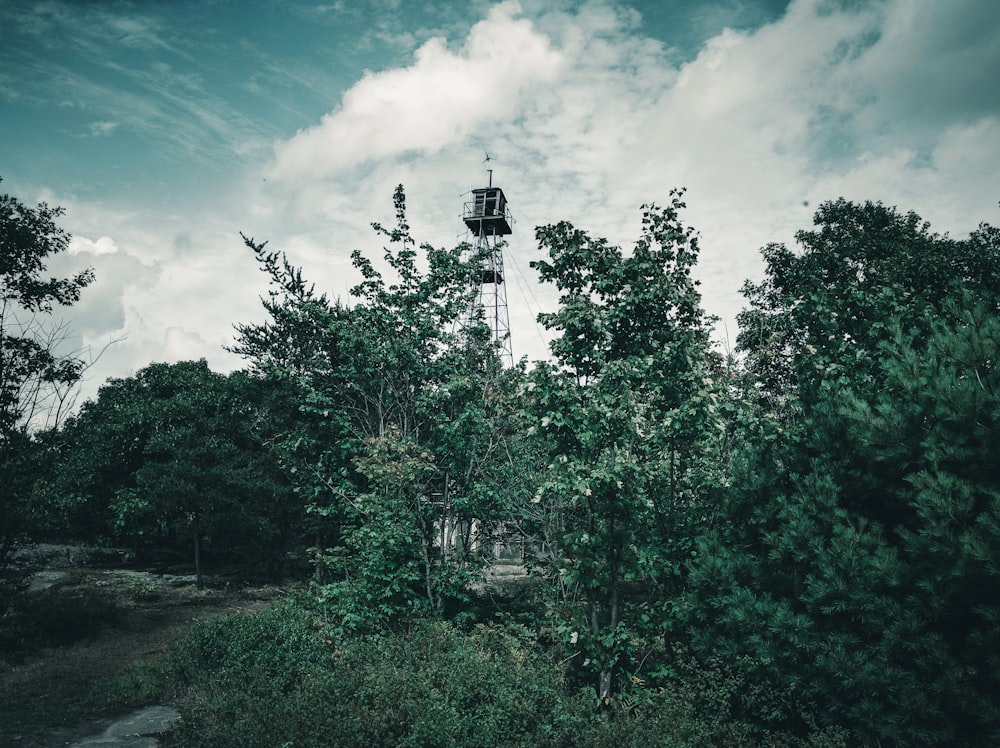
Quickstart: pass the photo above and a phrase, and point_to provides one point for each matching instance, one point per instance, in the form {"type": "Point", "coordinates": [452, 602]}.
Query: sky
{"type": "Point", "coordinates": [167, 127]}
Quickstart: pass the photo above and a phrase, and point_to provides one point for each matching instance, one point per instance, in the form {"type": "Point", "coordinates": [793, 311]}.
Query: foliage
{"type": "Point", "coordinates": [35, 378]}
{"type": "Point", "coordinates": [823, 313]}
{"type": "Point", "coordinates": [626, 418]}
{"type": "Point", "coordinates": [51, 618]}
{"type": "Point", "coordinates": [32, 374]}
{"type": "Point", "coordinates": [861, 546]}
{"type": "Point", "coordinates": [176, 451]}
{"type": "Point", "coordinates": [769, 555]}
{"type": "Point", "coordinates": [399, 434]}
{"type": "Point", "coordinates": [435, 685]}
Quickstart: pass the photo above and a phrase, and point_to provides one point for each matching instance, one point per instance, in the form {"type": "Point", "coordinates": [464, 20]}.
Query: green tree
{"type": "Point", "coordinates": [625, 416]}
{"type": "Point", "coordinates": [177, 451]}
{"type": "Point", "coordinates": [860, 547]}
{"type": "Point", "coordinates": [397, 423]}
{"type": "Point", "coordinates": [822, 313]}
{"type": "Point", "coordinates": [36, 378]}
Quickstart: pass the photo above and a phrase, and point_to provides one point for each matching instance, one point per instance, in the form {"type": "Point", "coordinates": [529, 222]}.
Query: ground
{"type": "Point", "coordinates": [56, 695]}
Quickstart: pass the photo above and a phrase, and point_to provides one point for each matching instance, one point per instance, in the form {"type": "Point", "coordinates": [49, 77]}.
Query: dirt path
{"type": "Point", "coordinates": [49, 697]}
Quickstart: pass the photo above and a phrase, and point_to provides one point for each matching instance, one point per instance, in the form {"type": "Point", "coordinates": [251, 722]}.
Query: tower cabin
{"type": "Point", "coordinates": [486, 214]}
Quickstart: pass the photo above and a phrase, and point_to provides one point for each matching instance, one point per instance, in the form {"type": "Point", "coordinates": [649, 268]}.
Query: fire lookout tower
{"type": "Point", "coordinates": [486, 216]}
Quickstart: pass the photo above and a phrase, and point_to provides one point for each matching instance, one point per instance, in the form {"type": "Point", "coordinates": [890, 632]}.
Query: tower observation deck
{"type": "Point", "coordinates": [486, 213]}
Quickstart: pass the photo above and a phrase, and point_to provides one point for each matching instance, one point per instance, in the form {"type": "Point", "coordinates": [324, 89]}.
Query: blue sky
{"type": "Point", "coordinates": [165, 128]}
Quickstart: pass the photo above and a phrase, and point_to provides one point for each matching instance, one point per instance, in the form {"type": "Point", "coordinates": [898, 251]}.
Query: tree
{"type": "Point", "coordinates": [178, 451]}
{"type": "Point", "coordinates": [625, 416]}
{"type": "Point", "coordinates": [856, 565]}
{"type": "Point", "coordinates": [35, 377]}
{"type": "Point", "coordinates": [397, 426]}
{"type": "Point", "coordinates": [822, 313]}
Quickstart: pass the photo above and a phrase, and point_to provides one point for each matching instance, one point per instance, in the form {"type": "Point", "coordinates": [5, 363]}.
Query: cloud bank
{"type": "Point", "coordinates": [590, 118]}
{"type": "Point", "coordinates": [587, 114]}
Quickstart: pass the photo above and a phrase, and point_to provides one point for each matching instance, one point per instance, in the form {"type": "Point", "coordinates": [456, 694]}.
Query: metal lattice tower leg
{"type": "Point", "coordinates": [493, 295]}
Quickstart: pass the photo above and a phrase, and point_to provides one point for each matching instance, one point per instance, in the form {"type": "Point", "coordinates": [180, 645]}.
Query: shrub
{"type": "Point", "coordinates": [51, 618]}
{"type": "Point", "coordinates": [277, 678]}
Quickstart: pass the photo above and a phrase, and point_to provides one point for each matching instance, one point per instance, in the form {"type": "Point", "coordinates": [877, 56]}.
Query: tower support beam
{"type": "Point", "coordinates": [493, 294]}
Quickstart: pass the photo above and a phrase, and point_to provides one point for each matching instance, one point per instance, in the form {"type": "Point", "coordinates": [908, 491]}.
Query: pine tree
{"type": "Point", "coordinates": [859, 561]}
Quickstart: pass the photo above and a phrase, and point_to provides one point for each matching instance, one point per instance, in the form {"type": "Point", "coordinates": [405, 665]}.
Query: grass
{"type": "Point", "coordinates": [74, 654]}
{"type": "Point", "coordinates": [53, 618]}
{"type": "Point", "coordinates": [269, 674]}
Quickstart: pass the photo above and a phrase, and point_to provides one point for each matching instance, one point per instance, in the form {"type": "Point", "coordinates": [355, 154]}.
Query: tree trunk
{"type": "Point", "coordinates": [446, 526]}
{"type": "Point", "coordinates": [426, 541]}
{"type": "Point", "coordinates": [197, 553]}
{"type": "Point", "coordinates": [607, 675]}
{"type": "Point", "coordinates": [604, 688]}
{"type": "Point", "coordinates": [604, 677]}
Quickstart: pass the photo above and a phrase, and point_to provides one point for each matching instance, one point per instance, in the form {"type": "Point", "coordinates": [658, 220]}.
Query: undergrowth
{"type": "Point", "coordinates": [281, 678]}
{"type": "Point", "coordinates": [29, 622]}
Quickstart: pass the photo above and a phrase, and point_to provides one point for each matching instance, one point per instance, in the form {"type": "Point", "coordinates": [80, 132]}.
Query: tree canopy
{"type": "Point", "coordinates": [177, 454]}
{"type": "Point", "coordinates": [36, 375]}
{"type": "Point", "coordinates": [624, 416]}
{"type": "Point", "coordinates": [860, 553]}
{"type": "Point", "coordinates": [397, 448]}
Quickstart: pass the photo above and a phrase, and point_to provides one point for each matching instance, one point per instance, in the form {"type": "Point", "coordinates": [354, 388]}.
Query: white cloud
{"type": "Point", "coordinates": [103, 245]}
{"type": "Point", "coordinates": [167, 288]}
{"type": "Point", "coordinates": [955, 187]}
{"type": "Point", "coordinates": [439, 99]}
{"type": "Point", "coordinates": [101, 129]}
{"type": "Point", "coordinates": [181, 345]}
{"type": "Point", "coordinates": [587, 119]}
{"type": "Point", "coordinates": [807, 108]}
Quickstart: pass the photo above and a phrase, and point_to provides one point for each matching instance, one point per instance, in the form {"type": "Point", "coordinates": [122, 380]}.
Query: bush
{"type": "Point", "coordinates": [274, 678]}
{"type": "Point", "coordinates": [50, 618]}
{"type": "Point", "coordinates": [278, 678]}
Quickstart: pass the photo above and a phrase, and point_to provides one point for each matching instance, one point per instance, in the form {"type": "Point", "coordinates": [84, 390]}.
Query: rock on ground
{"type": "Point", "coordinates": [44, 580]}
{"type": "Point", "coordinates": [137, 730]}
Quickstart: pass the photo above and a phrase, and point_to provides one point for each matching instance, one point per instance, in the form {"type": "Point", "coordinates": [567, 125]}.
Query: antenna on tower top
{"type": "Point", "coordinates": [488, 169]}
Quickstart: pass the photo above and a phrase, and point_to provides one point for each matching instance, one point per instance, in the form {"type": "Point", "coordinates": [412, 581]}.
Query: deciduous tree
{"type": "Point", "coordinates": [36, 376]}
{"type": "Point", "coordinates": [625, 416]}
{"type": "Point", "coordinates": [399, 430]}
{"type": "Point", "coordinates": [178, 452]}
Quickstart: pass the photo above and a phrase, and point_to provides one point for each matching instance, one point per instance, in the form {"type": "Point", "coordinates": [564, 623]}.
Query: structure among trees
{"type": "Point", "coordinates": [488, 220]}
